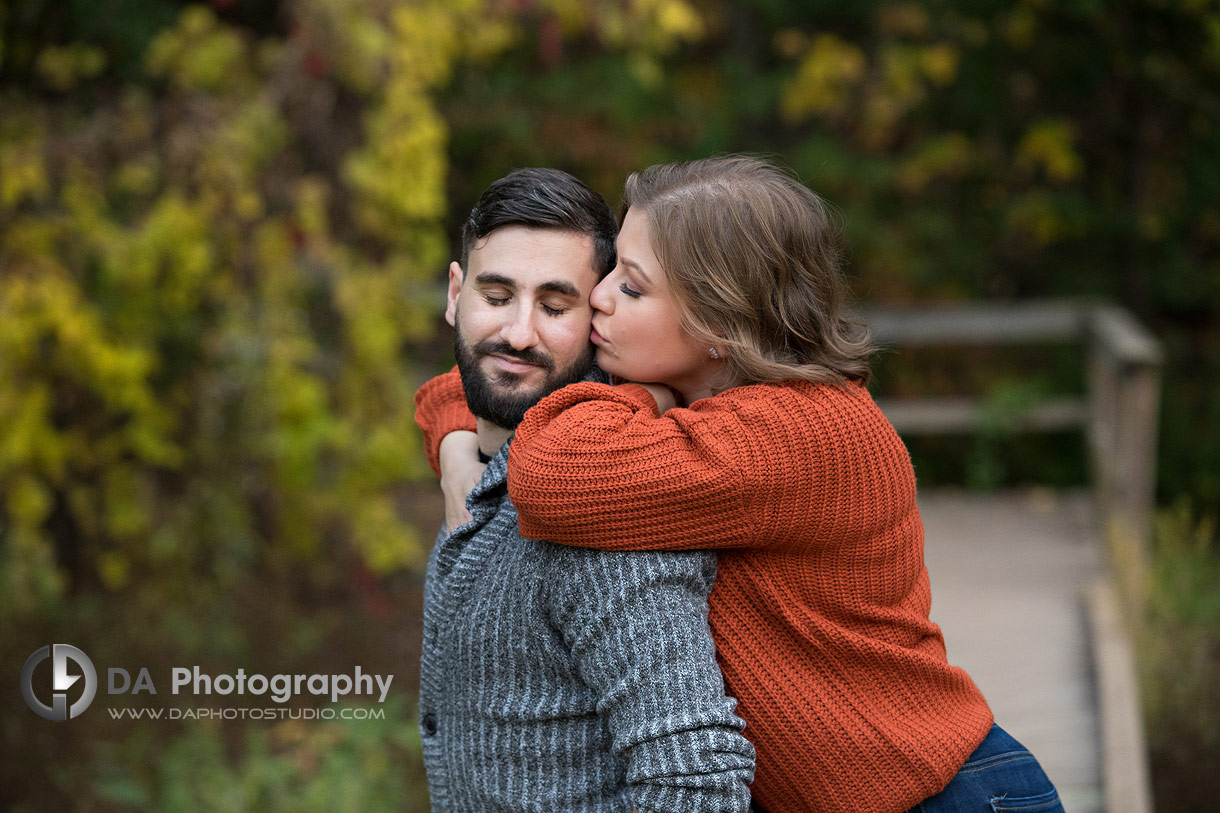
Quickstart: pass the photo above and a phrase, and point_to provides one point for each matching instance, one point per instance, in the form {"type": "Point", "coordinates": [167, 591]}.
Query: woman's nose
{"type": "Point", "coordinates": [600, 298]}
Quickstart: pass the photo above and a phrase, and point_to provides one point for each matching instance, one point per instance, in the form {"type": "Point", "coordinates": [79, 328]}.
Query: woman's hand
{"type": "Point", "coordinates": [460, 471]}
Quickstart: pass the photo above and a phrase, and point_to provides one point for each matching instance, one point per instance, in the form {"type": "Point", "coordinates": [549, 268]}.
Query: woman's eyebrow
{"type": "Point", "coordinates": [635, 267]}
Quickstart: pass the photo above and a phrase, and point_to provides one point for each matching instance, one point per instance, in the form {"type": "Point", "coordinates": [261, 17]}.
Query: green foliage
{"type": "Point", "coordinates": [1002, 408]}
{"type": "Point", "coordinates": [220, 248]}
{"type": "Point", "coordinates": [1179, 658]}
{"type": "Point", "coordinates": [1035, 149]}
{"type": "Point", "coordinates": [989, 150]}
{"type": "Point", "coordinates": [105, 759]}
{"type": "Point", "coordinates": [294, 765]}
{"type": "Point", "coordinates": [1006, 382]}
{"type": "Point", "coordinates": [206, 306]}
{"type": "Point", "coordinates": [589, 87]}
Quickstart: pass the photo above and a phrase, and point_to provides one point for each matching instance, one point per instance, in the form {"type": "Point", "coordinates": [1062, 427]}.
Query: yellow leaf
{"type": "Point", "coordinates": [944, 156]}
{"type": "Point", "coordinates": [1049, 145]}
{"type": "Point", "coordinates": [907, 19]}
{"type": "Point", "coordinates": [114, 569]}
{"type": "Point", "coordinates": [62, 67]}
{"type": "Point", "coordinates": [22, 172]}
{"type": "Point", "coordinates": [28, 501]}
{"type": "Point", "coordinates": [940, 63]}
{"type": "Point", "coordinates": [825, 78]}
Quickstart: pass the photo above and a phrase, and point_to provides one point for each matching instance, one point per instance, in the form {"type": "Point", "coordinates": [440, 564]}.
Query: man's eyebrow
{"type": "Point", "coordinates": [492, 278]}
{"type": "Point", "coordinates": [558, 286]}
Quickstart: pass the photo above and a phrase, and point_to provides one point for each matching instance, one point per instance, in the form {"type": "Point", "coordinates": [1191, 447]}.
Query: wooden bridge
{"type": "Point", "coordinates": [1024, 584]}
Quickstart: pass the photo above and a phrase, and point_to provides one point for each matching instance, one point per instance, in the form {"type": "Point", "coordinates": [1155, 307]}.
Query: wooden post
{"type": "Point", "coordinates": [1103, 421]}
{"type": "Point", "coordinates": [1125, 379]}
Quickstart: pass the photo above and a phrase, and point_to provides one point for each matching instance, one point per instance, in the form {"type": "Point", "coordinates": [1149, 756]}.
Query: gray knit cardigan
{"type": "Point", "coordinates": [565, 679]}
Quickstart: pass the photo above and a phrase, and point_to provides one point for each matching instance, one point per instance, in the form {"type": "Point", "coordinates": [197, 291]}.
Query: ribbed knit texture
{"type": "Point", "coordinates": [820, 608]}
{"type": "Point", "coordinates": [440, 408]}
{"type": "Point", "coordinates": [566, 679]}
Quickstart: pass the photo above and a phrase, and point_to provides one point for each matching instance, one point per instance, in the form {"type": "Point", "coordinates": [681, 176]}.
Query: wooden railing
{"type": "Point", "coordinates": [1118, 413]}
{"type": "Point", "coordinates": [1118, 416]}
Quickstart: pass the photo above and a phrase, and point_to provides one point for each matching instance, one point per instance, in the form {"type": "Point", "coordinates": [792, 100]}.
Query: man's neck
{"type": "Point", "coordinates": [491, 437]}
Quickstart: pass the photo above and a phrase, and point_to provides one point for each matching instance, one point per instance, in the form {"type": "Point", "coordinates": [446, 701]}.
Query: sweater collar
{"type": "Point", "coordinates": [495, 478]}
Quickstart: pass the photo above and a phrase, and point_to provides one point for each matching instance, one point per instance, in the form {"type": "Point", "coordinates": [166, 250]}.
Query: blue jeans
{"type": "Point", "coordinates": [999, 776]}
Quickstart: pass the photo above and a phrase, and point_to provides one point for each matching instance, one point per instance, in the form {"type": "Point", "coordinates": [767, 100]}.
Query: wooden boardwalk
{"type": "Point", "coordinates": [1009, 578]}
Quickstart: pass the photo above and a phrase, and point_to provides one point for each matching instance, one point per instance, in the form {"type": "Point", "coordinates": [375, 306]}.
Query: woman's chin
{"type": "Point", "coordinates": [607, 363]}
{"type": "Point", "coordinates": [614, 367]}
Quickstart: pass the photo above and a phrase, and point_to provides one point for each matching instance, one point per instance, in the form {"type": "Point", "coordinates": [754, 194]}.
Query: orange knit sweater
{"type": "Point", "coordinates": [821, 601]}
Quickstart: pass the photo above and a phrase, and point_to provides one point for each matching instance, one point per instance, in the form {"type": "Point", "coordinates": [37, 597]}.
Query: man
{"type": "Point", "coordinates": [555, 678]}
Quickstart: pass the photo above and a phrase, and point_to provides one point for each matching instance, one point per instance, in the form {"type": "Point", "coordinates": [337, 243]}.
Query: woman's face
{"type": "Point", "coordinates": [635, 321]}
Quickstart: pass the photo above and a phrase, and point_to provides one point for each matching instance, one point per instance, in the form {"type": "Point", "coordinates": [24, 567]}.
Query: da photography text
{"type": "Point", "coordinates": [71, 682]}
{"type": "Point", "coordinates": [279, 688]}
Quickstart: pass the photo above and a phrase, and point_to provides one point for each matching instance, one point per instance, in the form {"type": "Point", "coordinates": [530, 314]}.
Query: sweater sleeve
{"type": "Point", "coordinates": [440, 408]}
{"type": "Point", "coordinates": [636, 624]}
{"type": "Point", "coordinates": [596, 466]}
{"type": "Point", "coordinates": [760, 466]}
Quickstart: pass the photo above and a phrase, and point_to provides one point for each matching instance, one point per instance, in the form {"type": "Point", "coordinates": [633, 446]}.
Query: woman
{"type": "Point", "coordinates": [728, 295]}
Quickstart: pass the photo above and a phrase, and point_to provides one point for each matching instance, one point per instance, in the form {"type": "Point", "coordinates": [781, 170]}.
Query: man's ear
{"type": "Point", "coordinates": [455, 288]}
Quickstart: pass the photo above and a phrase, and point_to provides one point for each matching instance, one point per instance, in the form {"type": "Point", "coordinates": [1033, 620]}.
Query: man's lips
{"type": "Point", "coordinates": [512, 365]}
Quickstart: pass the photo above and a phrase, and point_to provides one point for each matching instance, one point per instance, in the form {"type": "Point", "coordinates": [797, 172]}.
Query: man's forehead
{"type": "Point", "coordinates": [534, 259]}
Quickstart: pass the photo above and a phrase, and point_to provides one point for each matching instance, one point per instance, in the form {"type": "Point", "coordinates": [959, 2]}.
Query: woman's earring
{"type": "Point", "coordinates": [713, 352]}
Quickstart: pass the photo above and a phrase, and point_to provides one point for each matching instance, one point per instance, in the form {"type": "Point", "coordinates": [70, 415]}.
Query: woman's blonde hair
{"type": "Point", "coordinates": [752, 256]}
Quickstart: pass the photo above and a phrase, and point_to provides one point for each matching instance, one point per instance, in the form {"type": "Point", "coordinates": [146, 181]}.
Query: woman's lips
{"type": "Point", "coordinates": [596, 337]}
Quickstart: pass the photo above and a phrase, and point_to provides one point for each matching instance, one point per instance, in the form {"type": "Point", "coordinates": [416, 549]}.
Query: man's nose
{"type": "Point", "coordinates": [521, 331]}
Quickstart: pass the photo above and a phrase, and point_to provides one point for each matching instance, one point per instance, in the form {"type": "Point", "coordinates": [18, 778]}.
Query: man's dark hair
{"type": "Point", "coordinates": [543, 199]}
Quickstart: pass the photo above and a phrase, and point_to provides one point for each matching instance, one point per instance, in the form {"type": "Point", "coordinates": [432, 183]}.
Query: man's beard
{"type": "Point", "coordinates": [498, 397]}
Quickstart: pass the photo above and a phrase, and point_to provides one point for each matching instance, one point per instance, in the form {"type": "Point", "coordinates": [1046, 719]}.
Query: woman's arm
{"type": "Point", "coordinates": [597, 466]}
{"type": "Point", "coordinates": [793, 464]}
{"type": "Point", "coordinates": [440, 408]}
{"type": "Point", "coordinates": [460, 473]}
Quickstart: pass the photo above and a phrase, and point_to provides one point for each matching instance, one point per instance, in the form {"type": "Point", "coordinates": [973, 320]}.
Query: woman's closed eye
{"type": "Point", "coordinates": [628, 290]}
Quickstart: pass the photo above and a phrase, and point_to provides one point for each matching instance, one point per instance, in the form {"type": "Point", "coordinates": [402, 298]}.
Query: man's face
{"type": "Point", "coordinates": [522, 315]}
